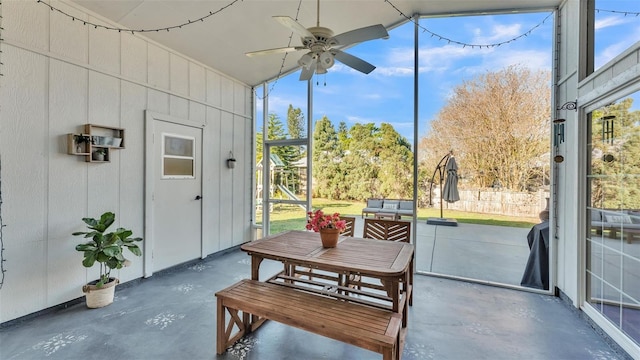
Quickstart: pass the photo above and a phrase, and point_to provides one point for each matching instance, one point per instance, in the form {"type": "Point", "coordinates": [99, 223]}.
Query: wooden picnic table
{"type": "Point", "coordinates": [391, 262]}
{"type": "Point", "coordinates": [357, 292]}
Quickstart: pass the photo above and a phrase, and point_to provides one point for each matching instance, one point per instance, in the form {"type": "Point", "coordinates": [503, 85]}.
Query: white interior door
{"type": "Point", "coordinates": [176, 181]}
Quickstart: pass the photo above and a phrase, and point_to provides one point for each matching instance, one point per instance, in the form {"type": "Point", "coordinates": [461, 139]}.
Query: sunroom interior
{"type": "Point", "coordinates": [153, 68]}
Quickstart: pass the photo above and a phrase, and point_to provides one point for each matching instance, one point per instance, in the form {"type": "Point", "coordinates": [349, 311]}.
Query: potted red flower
{"type": "Point", "coordinates": [329, 226]}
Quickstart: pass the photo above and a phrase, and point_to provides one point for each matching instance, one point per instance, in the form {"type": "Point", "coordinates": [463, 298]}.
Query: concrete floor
{"type": "Point", "coordinates": [495, 254]}
{"type": "Point", "coordinates": [172, 316]}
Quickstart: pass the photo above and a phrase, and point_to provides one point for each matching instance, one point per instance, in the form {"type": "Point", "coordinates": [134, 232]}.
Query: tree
{"type": "Point", "coordinates": [396, 161]}
{"type": "Point", "coordinates": [378, 163]}
{"type": "Point", "coordinates": [615, 159]}
{"type": "Point", "coordinates": [343, 135]}
{"type": "Point", "coordinates": [295, 123]}
{"type": "Point", "coordinates": [275, 128]}
{"type": "Point", "coordinates": [498, 126]}
{"type": "Point", "coordinates": [326, 159]}
{"type": "Point", "coordinates": [259, 147]}
{"type": "Point", "coordinates": [361, 162]}
{"type": "Point", "coordinates": [297, 130]}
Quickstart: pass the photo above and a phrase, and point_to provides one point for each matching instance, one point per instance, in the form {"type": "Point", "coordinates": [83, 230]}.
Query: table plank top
{"type": "Point", "coordinates": [366, 256]}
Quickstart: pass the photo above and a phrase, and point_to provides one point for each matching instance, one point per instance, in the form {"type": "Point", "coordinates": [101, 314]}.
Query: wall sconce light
{"type": "Point", "coordinates": [231, 161]}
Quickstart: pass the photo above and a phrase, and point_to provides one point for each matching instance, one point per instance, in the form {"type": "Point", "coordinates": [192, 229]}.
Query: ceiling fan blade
{"type": "Point", "coordinates": [307, 73]}
{"type": "Point", "coordinates": [362, 34]}
{"type": "Point", "coordinates": [274, 51]}
{"type": "Point", "coordinates": [353, 61]}
{"type": "Point", "coordinates": [294, 26]}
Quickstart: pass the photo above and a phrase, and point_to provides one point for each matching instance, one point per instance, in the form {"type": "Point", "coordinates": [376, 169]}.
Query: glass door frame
{"type": "Point", "coordinates": [266, 153]}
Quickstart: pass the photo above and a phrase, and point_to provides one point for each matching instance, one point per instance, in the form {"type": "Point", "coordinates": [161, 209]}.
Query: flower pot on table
{"type": "Point", "coordinates": [329, 237]}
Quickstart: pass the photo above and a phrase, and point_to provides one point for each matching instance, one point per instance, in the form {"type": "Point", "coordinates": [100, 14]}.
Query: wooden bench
{"type": "Point", "coordinates": [363, 326]}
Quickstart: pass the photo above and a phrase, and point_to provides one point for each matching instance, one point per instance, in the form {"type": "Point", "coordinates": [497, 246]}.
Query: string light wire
{"type": "Point", "coordinates": [464, 44]}
{"type": "Point", "coordinates": [284, 58]}
{"type": "Point", "coordinates": [626, 13]}
{"type": "Point", "coordinates": [165, 28]}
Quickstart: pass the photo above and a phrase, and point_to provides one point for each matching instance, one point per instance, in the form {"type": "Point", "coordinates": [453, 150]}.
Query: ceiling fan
{"type": "Point", "coordinates": [324, 48]}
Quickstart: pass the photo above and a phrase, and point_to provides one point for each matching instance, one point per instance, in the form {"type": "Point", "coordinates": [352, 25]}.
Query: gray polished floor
{"type": "Point", "coordinates": [172, 316]}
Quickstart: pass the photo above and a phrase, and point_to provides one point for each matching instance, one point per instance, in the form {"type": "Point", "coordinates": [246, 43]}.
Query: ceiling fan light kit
{"type": "Point", "coordinates": [324, 48]}
{"type": "Point", "coordinates": [306, 60]}
{"type": "Point", "coordinates": [326, 60]}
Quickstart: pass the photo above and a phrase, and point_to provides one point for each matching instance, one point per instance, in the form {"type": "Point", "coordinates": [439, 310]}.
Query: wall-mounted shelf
{"type": "Point", "coordinates": [96, 143]}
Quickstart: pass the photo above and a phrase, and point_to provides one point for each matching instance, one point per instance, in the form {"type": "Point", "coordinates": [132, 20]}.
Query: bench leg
{"type": "Point", "coordinates": [221, 341]}
{"type": "Point", "coordinates": [225, 336]}
{"type": "Point", "coordinates": [393, 353]}
{"type": "Point", "coordinates": [389, 354]}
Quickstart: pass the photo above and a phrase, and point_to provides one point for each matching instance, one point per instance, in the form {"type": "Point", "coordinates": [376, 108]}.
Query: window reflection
{"type": "Point", "coordinates": [613, 234]}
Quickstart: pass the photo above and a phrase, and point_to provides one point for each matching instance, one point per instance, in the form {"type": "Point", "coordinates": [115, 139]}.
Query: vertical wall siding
{"type": "Point", "coordinates": [59, 75]}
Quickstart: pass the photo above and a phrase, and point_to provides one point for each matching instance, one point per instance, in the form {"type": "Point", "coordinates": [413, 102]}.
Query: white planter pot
{"type": "Point", "coordinates": [98, 156]}
{"type": "Point", "coordinates": [100, 297]}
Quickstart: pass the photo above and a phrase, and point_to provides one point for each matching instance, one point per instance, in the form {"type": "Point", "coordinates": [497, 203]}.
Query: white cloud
{"type": "Point", "coordinates": [532, 59]}
{"type": "Point", "coordinates": [498, 33]}
{"type": "Point", "coordinates": [615, 49]}
{"type": "Point", "coordinates": [357, 119]}
{"type": "Point", "coordinates": [280, 105]}
{"type": "Point", "coordinates": [394, 71]}
{"type": "Point", "coordinates": [373, 96]}
{"type": "Point", "coordinates": [610, 21]}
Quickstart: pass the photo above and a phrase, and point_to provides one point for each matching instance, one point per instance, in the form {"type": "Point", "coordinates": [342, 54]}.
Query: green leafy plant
{"type": "Point", "coordinates": [80, 138]}
{"type": "Point", "coordinates": [106, 249]}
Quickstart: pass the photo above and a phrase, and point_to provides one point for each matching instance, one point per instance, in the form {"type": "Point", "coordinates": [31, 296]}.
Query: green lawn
{"type": "Point", "coordinates": [287, 217]}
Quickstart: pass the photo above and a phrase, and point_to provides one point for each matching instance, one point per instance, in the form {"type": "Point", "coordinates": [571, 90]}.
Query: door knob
{"type": "Point", "coordinates": [198, 197]}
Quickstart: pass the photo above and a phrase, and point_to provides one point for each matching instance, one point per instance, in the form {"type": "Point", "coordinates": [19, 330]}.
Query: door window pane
{"type": "Point", "coordinates": [178, 160]}
{"type": "Point", "coordinates": [178, 146]}
{"type": "Point", "coordinates": [178, 167]}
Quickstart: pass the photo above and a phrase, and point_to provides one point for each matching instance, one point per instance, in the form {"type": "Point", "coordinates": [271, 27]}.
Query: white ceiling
{"type": "Point", "coordinates": [222, 40]}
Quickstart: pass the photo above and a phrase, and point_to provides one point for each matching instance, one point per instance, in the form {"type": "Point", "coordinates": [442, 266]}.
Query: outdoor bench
{"type": "Point", "coordinates": [363, 326]}
{"type": "Point", "coordinates": [627, 221]}
{"type": "Point", "coordinates": [397, 207]}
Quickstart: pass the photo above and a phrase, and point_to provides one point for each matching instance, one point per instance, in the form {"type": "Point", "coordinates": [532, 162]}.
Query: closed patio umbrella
{"type": "Point", "coordinates": [450, 191]}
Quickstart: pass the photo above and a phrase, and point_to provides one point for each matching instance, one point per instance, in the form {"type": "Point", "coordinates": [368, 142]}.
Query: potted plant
{"type": "Point", "coordinates": [329, 226]}
{"type": "Point", "coordinates": [99, 154]}
{"type": "Point", "coordinates": [107, 250]}
{"type": "Point", "coordinates": [81, 139]}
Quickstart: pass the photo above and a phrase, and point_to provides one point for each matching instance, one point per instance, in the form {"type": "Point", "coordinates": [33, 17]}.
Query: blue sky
{"type": "Point", "coordinates": [386, 94]}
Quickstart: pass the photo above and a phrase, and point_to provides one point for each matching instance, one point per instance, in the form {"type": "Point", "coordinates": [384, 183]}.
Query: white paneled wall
{"type": "Point", "coordinates": [60, 74]}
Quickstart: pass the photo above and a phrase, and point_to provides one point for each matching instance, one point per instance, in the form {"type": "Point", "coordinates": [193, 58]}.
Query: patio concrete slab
{"type": "Point", "coordinates": [484, 252]}
{"type": "Point", "coordinates": [172, 316]}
